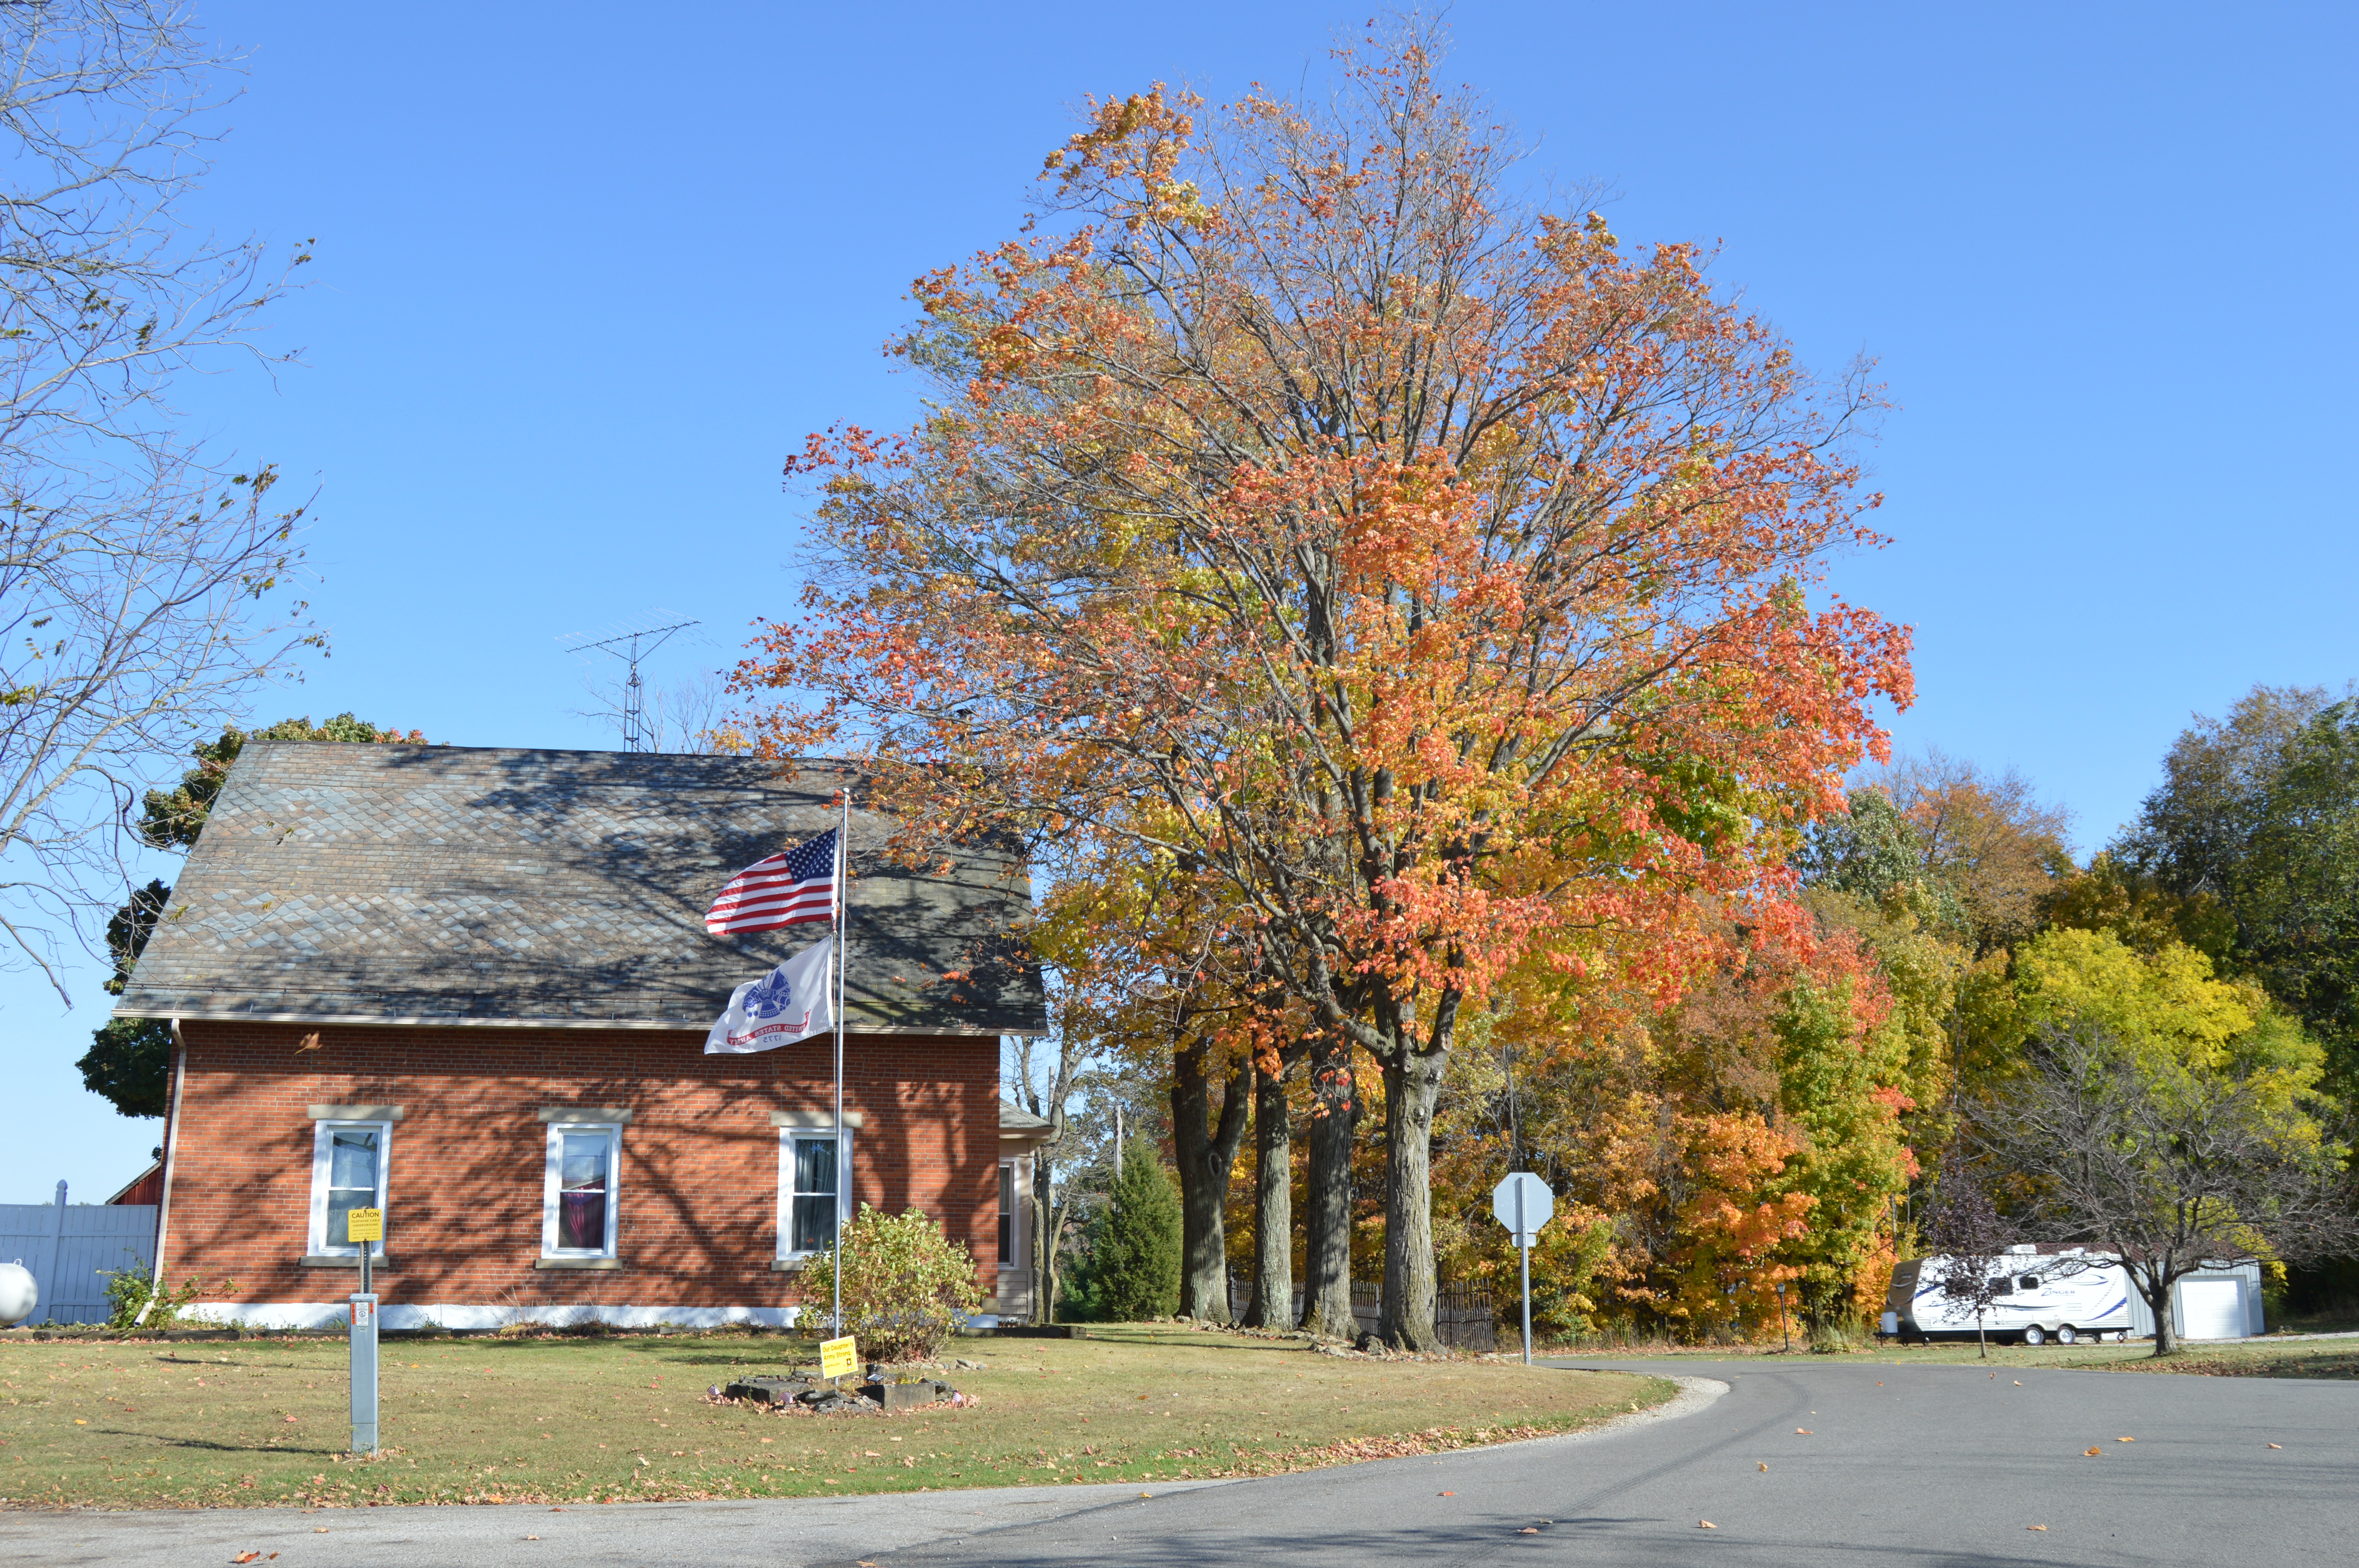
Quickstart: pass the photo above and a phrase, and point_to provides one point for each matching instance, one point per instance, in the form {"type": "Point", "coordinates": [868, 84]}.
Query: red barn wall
{"type": "Point", "coordinates": [699, 1177]}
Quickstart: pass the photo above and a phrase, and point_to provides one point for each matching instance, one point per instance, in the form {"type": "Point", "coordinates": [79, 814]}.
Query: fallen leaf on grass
{"type": "Point", "coordinates": [1706, 1524]}
{"type": "Point", "coordinates": [1529, 1529]}
{"type": "Point", "coordinates": [2094, 1452]}
{"type": "Point", "coordinates": [2277, 1445]}
{"type": "Point", "coordinates": [2035, 1526]}
{"type": "Point", "coordinates": [1764, 1466]}
{"type": "Point", "coordinates": [2125, 1440]}
{"type": "Point", "coordinates": [1801, 1431]}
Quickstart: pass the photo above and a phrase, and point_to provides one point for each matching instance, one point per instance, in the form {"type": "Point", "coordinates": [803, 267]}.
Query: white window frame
{"type": "Point", "coordinates": [785, 1220]}
{"type": "Point", "coordinates": [1010, 1200]}
{"type": "Point", "coordinates": [552, 1174]}
{"type": "Point", "coordinates": [322, 1140]}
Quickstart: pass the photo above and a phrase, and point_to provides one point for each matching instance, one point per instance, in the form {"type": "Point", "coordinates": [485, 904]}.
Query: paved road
{"type": "Point", "coordinates": [1943, 1466]}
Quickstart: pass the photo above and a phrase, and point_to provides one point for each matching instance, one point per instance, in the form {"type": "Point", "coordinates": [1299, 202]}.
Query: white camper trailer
{"type": "Point", "coordinates": [2068, 1296]}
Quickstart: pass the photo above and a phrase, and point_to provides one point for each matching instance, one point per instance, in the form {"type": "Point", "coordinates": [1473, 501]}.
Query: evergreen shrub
{"type": "Point", "coordinates": [1135, 1268]}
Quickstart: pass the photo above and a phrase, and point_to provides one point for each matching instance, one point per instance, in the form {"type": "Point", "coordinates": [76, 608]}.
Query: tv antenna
{"type": "Point", "coordinates": [630, 645]}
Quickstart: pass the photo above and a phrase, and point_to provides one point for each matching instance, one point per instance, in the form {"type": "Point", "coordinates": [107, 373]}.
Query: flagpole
{"type": "Point", "coordinates": [842, 929]}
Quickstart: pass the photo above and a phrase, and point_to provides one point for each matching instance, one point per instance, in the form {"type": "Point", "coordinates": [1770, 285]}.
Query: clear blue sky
{"type": "Point", "coordinates": [586, 274]}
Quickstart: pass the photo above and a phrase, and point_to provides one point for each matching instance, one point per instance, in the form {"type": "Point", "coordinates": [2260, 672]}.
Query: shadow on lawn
{"type": "Point", "coordinates": [213, 1445]}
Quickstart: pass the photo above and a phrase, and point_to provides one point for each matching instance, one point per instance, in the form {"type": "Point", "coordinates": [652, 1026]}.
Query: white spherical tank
{"type": "Point", "coordinates": [17, 1296]}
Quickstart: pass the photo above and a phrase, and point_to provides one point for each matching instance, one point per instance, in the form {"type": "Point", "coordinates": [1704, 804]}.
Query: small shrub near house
{"type": "Point", "coordinates": [131, 1289]}
{"type": "Point", "coordinates": [1135, 1265]}
{"type": "Point", "coordinates": [906, 1284]}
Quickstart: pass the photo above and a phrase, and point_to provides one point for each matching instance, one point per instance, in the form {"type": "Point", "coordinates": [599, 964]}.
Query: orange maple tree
{"type": "Point", "coordinates": [1432, 580]}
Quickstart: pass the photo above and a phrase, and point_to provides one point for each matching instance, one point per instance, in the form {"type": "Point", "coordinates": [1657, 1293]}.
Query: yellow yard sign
{"type": "Point", "coordinates": [837, 1357]}
{"type": "Point", "coordinates": [364, 1224]}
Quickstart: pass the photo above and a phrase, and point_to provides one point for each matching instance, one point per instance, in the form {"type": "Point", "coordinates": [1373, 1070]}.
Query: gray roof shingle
{"type": "Point", "coordinates": [465, 885]}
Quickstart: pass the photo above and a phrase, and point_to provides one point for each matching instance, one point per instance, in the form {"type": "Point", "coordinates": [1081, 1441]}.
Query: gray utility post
{"type": "Point", "coordinates": [1523, 1204]}
{"type": "Point", "coordinates": [364, 1361]}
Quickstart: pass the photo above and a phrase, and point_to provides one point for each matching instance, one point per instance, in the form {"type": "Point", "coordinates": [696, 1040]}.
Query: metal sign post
{"type": "Point", "coordinates": [367, 1227]}
{"type": "Point", "coordinates": [1523, 1204]}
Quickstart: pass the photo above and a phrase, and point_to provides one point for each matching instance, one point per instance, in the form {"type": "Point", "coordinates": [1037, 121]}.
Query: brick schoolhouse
{"type": "Point", "coordinates": [472, 987]}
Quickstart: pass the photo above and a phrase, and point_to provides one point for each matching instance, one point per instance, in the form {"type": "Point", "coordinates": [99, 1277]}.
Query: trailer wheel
{"type": "Point", "coordinates": [2067, 1334]}
{"type": "Point", "coordinates": [2033, 1336]}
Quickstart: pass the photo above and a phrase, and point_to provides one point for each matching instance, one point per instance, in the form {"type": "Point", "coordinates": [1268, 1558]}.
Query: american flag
{"type": "Point", "coordinates": [796, 887]}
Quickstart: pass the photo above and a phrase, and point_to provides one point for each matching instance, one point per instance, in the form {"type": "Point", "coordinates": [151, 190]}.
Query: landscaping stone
{"type": "Point", "coordinates": [903, 1396]}
{"type": "Point", "coordinates": [767, 1391]}
{"type": "Point", "coordinates": [828, 1401]}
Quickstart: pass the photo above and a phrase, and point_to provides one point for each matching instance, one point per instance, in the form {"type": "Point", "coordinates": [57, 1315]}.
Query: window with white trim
{"type": "Point", "coordinates": [348, 1172]}
{"type": "Point", "coordinates": [812, 1173]}
{"type": "Point", "coordinates": [578, 1204]}
{"type": "Point", "coordinates": [1007, 1214]}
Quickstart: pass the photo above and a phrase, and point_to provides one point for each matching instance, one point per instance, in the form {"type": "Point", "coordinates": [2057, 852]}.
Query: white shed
{"type": "Point", "coordinates": [2219, 1300]}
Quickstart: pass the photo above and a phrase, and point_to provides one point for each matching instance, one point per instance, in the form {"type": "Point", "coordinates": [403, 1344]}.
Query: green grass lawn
{"type": "Point", "coordinates": [2229, 1358]}
{"type": "Point", "coordinates": [568, 1420]}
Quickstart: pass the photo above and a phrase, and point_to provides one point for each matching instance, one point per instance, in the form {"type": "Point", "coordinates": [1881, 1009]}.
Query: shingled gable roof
{"type": "Point", "coordinates": [441, 884]}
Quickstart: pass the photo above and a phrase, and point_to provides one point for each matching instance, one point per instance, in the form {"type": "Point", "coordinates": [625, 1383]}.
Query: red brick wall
{"type": "Point", "coordinates": [699, 1177]}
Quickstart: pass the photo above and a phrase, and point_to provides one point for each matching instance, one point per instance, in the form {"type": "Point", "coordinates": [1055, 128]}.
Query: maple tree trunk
{"type": "Point", "coordinates": [2157, 1291]}
{"type": "Point", "coordinates": [1412, 1085]}
{"type": "Point", "coordinates": [1208, 1153]}
{"type": "Point", "coordinates": [1327, 1217]}
{"type": "Point", "coordinates": [1273, 1282]}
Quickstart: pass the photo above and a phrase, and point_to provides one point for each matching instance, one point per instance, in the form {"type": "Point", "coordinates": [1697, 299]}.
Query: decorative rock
{"type": "Point", "coordinates": [904, 1396]}
{"type": "Point", "coordinates": [767, 1391]}
{"type": "Point", "coordinates": [830, 1401]}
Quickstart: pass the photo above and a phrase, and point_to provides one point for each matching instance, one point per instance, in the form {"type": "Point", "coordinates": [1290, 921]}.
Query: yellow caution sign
{"type": "Point", "coordinates": [838, 1358]}
{"type": "Point", "coordinates": [364, 1224]}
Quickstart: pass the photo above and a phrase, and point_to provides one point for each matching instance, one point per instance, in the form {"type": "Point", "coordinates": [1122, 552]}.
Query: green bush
{"type": "Point", "coordinates": [128, 1290]}
{"type": "Point", "coordinates": [906, 1284]}
{"type": "Point", "coordinates": [1135, 1268]}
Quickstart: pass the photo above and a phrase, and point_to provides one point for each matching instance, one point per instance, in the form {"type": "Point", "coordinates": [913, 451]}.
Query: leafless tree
{"type": "Point", "coordinates": [690, 716]}
{"type": "Point", "coordinates": [1045, 1087]}
{"type": "Point", "coordinates": [1963, 1226]}
{"type": "Point", "coordinates": [2167, 1170]}
{"type": "Point", "coordinates": [143, 588]}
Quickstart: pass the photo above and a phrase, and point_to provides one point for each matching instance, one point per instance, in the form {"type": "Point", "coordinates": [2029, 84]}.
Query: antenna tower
{"type": "Point", "coordinates": [629, 646]}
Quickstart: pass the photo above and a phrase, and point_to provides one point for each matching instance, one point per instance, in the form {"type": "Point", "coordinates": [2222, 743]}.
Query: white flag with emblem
{"type": "Point", "coordinates": [790, 1003]}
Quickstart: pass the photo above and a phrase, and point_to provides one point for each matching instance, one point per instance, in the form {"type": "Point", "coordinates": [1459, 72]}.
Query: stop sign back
{"type": "Point", "coordinates": [1523, 1204]}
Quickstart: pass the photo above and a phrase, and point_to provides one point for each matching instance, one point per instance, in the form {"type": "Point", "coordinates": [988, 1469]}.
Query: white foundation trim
{"type": "Point", "coordinates": [465, 1315]}
{"type": "Point", "coordinates": [469, 1316]}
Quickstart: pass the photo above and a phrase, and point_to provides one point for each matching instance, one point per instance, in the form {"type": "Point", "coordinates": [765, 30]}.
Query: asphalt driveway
{"type": "Point", "coordinates": [1802, 1462]}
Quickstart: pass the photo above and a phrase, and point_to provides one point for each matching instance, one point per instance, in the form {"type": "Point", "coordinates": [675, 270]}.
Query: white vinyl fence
{"type": "Point", "coordinates": [70, 1247]}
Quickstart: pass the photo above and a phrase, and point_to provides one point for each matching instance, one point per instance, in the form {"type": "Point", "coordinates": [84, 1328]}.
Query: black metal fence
{"type": "Point", "coordinates": [1462, 1315]}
